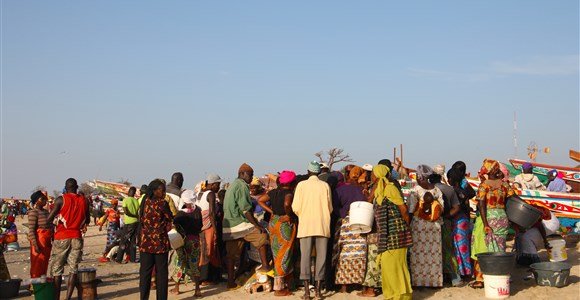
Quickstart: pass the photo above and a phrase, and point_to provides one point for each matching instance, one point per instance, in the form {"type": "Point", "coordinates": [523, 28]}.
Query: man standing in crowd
{"type": "Point", "coordinates": [174, 190]}
{"type": "Point", "coordinates": [313, 205]}
{"type": "Point", "coordinates": [131, 221]}
{"type": "Point", "coordinates": [72, 213]}
{"type": "Point", "coordinates": [239, 225]}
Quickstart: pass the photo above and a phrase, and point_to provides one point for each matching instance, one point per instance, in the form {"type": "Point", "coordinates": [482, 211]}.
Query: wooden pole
{"type": "Point", "coordinates": [401, 153]}
{"type": "Point", "coordinates": [394, 154]}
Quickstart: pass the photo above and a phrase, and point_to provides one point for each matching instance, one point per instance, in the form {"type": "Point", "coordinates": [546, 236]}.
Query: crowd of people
{"type": "Point", "coordinates": [297, 231]}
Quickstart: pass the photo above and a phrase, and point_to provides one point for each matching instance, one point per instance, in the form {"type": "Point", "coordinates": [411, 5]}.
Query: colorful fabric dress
{"type": "Point", "coordinates": [352, 258]}
{"type": "Point", "coordinates": [113, 218]}
{"type": "Point", "coordinates": [282, 236]}
{"type": "Point", "coordinates": [462, 229]}
{"type": "Point", "coordinates": [185, 260]}
{"type": "Point", "coordinates": [426, 253]}
{"type": "Point", "coordinates": [495, 199]}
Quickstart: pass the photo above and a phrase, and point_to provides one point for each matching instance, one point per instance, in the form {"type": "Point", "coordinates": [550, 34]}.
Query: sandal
{"type": "Point", "coordinates": [476, 285]}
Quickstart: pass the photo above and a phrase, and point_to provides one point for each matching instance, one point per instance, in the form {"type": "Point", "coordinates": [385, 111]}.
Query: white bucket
{"type": "Point", "coordinates": [558, 251]}
{"type": "Point", "coordinates": [496, 286]}
{"type": "Point", "coordinates": [175, 239]}
{"type": "Point", "coordinates": [361, 216]}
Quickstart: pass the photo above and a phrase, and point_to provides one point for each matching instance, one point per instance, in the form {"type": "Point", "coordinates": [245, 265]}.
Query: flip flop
{"type": "Point", "coordinates": [476, 285]}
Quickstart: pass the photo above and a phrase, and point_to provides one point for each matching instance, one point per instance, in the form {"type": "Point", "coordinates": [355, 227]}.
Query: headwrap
{"type": "Point", "coordinates": [314, 167]}
{"type": "Point", "coordinates": [368, 167]}
{"type": "Point", "coordinates": [187, 197]}
{"type": "Point", "coordinates": [355, 173]}
{"type": "Point", "coordinates": [114, 202]}
{"type": "Point", "coordinates": [245, 168]}
{"type": "Point", "coordinates": [35, 196]}
{"type": "Point", "coordinates": [256, 181]}
{"type": "Point", "coordinates": [287, 177]}
{"type": "Point", "coordinates": [505, 171]}
{"type": "Point", "coordinates": [423, 172]}
{"type": "Point", "coordinates": [553, 173]}
{"type": "Point", "coordinates": [439, 169]}
{"type": "Point", "coordinates": [489, 166]}
{"type": "Point", "coordinates": [385, 188]}
{"type": "Point", "coordinates": [527, 167]}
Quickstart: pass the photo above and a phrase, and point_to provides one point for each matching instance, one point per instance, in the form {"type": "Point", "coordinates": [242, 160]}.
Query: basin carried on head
{"type": "Point", "coordinates": [521, 213]}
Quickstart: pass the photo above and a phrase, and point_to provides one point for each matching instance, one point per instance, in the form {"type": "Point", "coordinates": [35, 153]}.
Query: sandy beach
{"type": "Point", "coordinates": [121, 281]}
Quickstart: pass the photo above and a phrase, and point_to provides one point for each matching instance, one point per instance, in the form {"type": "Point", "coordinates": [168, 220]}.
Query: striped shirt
{"type": "Point", "coordinates": [36, 219]}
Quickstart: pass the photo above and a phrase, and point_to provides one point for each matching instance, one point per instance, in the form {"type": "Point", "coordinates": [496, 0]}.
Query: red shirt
{"type": "Point", "coordinates": [71, 217]}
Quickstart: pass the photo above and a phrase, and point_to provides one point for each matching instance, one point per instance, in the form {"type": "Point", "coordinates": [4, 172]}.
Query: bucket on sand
{"type": "Point", "coordinates": [496, 286]}
{"type": "Point", "coordinates": [558, 251]}
{"type": "Point", "coordinates": [361, 216]}
{"type": "Point", "coordinates": [43, 291]}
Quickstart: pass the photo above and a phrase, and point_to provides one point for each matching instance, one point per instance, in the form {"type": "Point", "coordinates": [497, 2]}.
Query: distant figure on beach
{"type": "Point", "coordinates": [39, 235]}
{"type": "Point", "coordinates": [527, 180]}
{"type": "Point", "coordinates": [113, 218]}
{"type": "Point", "coordinates": [131, 218]}
{"type": "Point", "coordinates": [71, 211]}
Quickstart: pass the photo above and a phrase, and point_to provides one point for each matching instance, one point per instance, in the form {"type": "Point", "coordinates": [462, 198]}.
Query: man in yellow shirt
{"type": "Point", "coordinates": [312, 204]}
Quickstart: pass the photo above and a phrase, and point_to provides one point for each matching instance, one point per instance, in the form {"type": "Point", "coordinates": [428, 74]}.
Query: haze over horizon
{"type": "Point", "coordinates": [139, 90]}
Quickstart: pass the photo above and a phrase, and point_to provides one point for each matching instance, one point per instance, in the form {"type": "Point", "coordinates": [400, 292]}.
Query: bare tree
{"type": "Point", "coordinates": [334, 156]}
{"type": "Point", "coordinates": [124, 181]}
{"type": "Point", "coordinates": [38, 188]}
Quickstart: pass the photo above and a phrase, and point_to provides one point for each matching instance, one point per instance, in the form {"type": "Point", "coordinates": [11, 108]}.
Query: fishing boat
{"type": "Point", "coordinates": [575, 155]}
{"type": "Point", "coordinates": [570, 173]}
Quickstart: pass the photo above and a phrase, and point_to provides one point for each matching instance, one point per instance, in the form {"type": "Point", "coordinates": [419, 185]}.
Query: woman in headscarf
{"type": "Point", "coordinates": [186, 260]}
{"type": "Point", "coordinates": [282, 228]}
{"type": "Point", "coordinates": [351, 246]}
{"type": "Point", "coordinates": [156, 220]}
{"type": "Point", "coordinates": [426, 205]}
{"type": "Point", "coordinates": [210, 261]}
{"type": "Point", "coordinates": [39, 234]}
{"type": "Point", "coordinates": [462, 226]}
{"type": "Point", "coordinates": [113, 217]}
{"type": "Point", "coordinates": [392, 223]}
{"type": "Point", "coordinates": [491, 225]}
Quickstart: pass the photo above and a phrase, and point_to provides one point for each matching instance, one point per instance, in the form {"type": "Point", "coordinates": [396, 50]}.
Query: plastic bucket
{"type": "Point", "coordinates": [43, 291]}
{"type": "Point", "coordinates": [496, 263]}
{"type": "Point", "coordinates": [558, 251]}
{"type": "Point", "coordinates": [175, 239]}
{"type": "Point", "coordinates": [361, 216]}
{"type": "Point", "coordinates": [496, 286]}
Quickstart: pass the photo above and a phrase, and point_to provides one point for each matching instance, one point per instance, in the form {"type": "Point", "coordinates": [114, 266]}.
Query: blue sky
{"type": "Point", "coordinates": [140, 89]}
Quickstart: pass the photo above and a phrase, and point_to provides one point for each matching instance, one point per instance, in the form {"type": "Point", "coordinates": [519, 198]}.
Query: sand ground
{"type": "Point", "coordinates": [121, 281]}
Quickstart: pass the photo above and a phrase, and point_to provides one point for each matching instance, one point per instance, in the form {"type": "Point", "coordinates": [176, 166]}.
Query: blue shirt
{"type": "Point", "coordinates": [557, 185]}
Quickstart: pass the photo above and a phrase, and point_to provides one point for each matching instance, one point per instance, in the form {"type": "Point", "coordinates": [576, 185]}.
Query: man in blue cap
{"type": "Point", "coordinates": [312, 204]}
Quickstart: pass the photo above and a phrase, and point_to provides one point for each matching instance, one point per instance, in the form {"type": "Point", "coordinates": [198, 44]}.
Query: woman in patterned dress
{"type": "Point", "coordinates": [282, 229]}
{"type": "Point", "coordinates": [491, 226]}
{"type": "Point", "coordinates": [156, 220]}
{"type": "Point", "coordinates": [113, 218]}
{"type": "Point", "coordinates": [426, 205]}
{"type": "Point", "coordinates": [351, 244]}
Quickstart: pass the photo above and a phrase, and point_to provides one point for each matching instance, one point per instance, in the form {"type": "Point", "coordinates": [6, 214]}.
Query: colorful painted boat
{"type": "Point", "coordinates": [570, 173]}
{"type": "Point", "coordinates": [575, 155]}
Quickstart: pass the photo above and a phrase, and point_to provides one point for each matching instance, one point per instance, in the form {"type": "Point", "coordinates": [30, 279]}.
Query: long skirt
{"type": "Point", "coordinates": [450, 265]}
{"type": "Point", "coordinates": [352, 257]}
{"type": "Point", "coordinates": [39, 260]}
{"type": "Point", "coordinates": [395, 275]}
{"type": "Point", "coordinates": [185, 261]}
{"type": "Point", "coordinates": [282, 236]}
{"type": "Point", "coordinates": [111, 230]}
{"type": "Point", "coordinates": [495, 242]}
{"type": "Point", "coordinates": [426, 254]}
{"type": "Point", "coordinates": [373, 272]}
{"type": "Point", "coordinates": [462, 244]}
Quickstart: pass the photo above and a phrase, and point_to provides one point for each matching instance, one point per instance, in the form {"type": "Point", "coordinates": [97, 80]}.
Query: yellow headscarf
{"type": "Point", "coordinates": [385, 188]}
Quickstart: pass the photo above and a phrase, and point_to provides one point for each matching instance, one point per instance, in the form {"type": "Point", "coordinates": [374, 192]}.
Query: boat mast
{"type": "Point", "coordinates": [515, 136]}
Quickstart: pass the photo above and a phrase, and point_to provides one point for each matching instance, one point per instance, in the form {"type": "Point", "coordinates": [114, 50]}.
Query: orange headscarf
{"type": "Point", "coordinates": [355, 173]}
{"type": "Point", "coordinates": [489, 166]}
